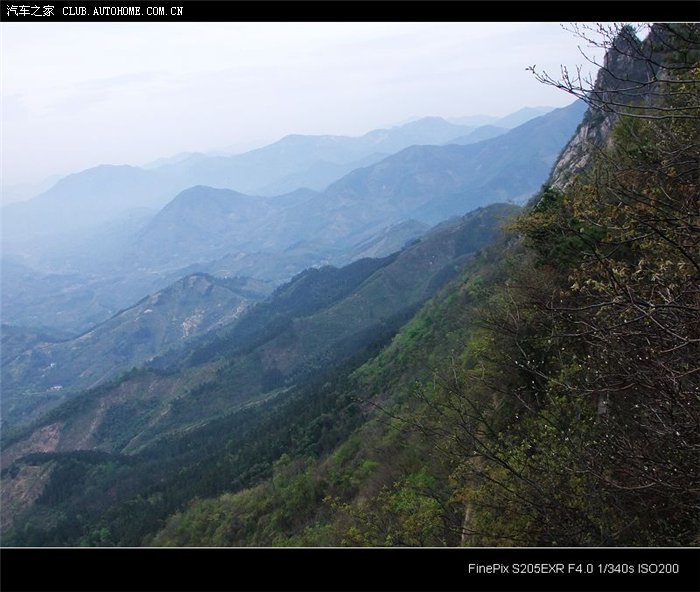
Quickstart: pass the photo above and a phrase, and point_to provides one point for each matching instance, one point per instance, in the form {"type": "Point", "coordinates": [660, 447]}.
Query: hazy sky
{"type": "Point", "coordinates": [75, 95]}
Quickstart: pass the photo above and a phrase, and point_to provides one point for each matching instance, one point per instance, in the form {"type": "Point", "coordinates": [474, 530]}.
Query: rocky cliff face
{"type": "Point", "coordinates": [630, 71]}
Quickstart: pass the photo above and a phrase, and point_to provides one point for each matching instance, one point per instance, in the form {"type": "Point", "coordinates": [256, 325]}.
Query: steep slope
{"type": "Point", "coordinates": [309, 292]}
{"type": "Point", "coordinates": [175, 425]}
{"type": "Point", "coordinates": [622, 86]}
{"type": "Point", "coordinates": [40, 375]}
{"type": "Point", "coordinates": [402, 281]}
{"type": "Point", "coordinates": [546, 396]}
{"type": "Point", "coordinates": [364, 467]}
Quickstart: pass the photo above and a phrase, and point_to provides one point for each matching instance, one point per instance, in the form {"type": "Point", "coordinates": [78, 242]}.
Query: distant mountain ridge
{"type": "Point", "coordinates": [94, 195]}
{"type": "Point", "coordinates": [432, 183]}
{"type": "Point", "coordinates": [85, 200]}
{"type": "Point", "coordinates": [86, 276]}
{"type": "Point", "coordinates": [313, 161]}
{"type": "Point", "coordinates": [507, 121]}
{"type": "Point", "coordinates": [427, 184]}
{"type": "Point", "coordinates": [485, 132]}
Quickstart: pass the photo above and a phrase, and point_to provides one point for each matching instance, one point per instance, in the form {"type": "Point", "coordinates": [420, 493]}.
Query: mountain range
{"type": "Point", "coordinates": [189, 327]}
{"type": "Point", "coordinates": [96, 195]}
{"type": "Point", "coordinates": [424, 183]}
{"type": "Point", "coordinates": [492, 375]}
{"type": "Point", "coordinates": [223, 232]}
{"type": "Point", "coordinates": [212, 347]}
{"type": "Point", "coordinates": [348, 303]}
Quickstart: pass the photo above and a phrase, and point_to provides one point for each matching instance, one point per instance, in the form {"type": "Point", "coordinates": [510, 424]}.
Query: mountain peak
{"type": "Point", "coordinates": [204, 192]}
{"type": "Point", "coordinates": [100, 172]}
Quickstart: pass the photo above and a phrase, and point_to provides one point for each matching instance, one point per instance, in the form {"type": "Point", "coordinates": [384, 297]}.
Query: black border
{"type": "Point", "coordinates": [351, 570]}
{"type": "Point", "coordinates": [371, 10]}
{"type": "Point", "coordinates": [311, 570]}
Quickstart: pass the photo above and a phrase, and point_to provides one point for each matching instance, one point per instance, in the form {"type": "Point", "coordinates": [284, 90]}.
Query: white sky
{"type": "Point", "coordinates": [75, 95]}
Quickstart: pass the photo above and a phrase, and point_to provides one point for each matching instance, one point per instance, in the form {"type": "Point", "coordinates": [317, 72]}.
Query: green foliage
{"type": "Point", "coordinates": [258, 516]}
{"type": "Point", "coordinates": [588, 435]}
{"type": "Point", "coordinates": [309, 292]}
{"type": "Point", "coordinates": [405, 513]}
{"type": "Point", "coordinates": [357, 465]}
{"type": "Point", "coordinates": [547, 396]}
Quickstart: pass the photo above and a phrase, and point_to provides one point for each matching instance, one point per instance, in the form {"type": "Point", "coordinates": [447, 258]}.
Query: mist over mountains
{"type": "Point", "coordinates": [112, 254]}
{"type": "Point", "coordinates": [96, 195]}
{"type": "Point", "coordinates": [238, 353]}
{"type": "Point", "coordinates": [114, 267]}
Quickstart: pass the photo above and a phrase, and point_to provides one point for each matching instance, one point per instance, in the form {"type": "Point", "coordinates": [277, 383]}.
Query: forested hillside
{"type": "Point", "coordinates": [549, 396]}
{"type": "Point", "coordinates": [222, 410]}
